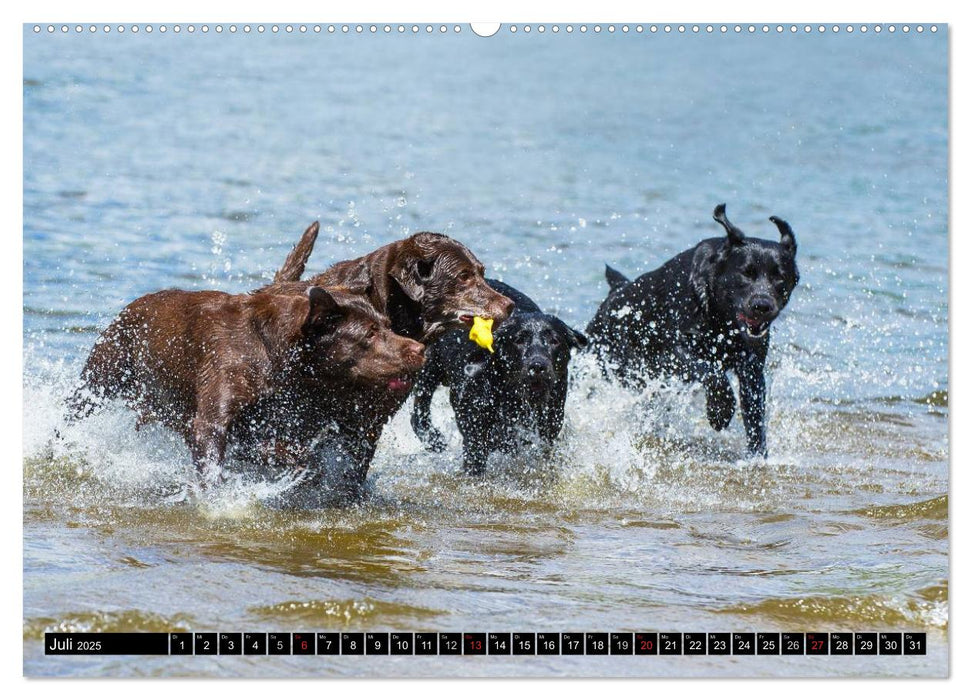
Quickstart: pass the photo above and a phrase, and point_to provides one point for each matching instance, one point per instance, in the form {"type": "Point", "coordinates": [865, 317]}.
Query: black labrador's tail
{"type": "Point", "coordinates": [616, 280]}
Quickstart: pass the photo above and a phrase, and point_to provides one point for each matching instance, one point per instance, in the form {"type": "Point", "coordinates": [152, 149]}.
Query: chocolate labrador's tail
{"type": "Point", "coordinates": [293, 268]}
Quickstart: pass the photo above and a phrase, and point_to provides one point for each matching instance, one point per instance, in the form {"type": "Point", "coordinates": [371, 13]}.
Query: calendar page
{"type": "Point", "coordinates": [519, 350]}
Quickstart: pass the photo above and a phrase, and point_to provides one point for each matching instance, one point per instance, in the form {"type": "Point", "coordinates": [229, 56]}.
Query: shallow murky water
{"type": "Point", "coordinates": [153, 162]}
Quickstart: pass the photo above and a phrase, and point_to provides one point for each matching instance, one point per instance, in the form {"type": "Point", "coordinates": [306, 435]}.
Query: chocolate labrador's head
{"type": "Point", "coordinates": [344, 337]}
{"type": "Point", "coordinates": [446, 282]}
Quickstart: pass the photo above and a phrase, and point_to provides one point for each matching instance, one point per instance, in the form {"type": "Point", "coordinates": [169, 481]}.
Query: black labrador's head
{"type": "Point", "coordinates": [532, 354]}
{"type": "Point", "coordinates": [744, 282]}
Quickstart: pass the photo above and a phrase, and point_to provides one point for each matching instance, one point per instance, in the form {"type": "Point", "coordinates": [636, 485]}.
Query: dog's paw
{"type": "Point", "coordinates": [720, 408]}
{"type": "Point", "coordinates": [757, 450]}
{"type": "Point", "coordinates": [474, 468]}
{"type": "Point", "coordinates": [433, 440]}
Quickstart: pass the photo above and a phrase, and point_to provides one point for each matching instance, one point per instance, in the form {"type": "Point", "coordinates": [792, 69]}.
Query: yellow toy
{"type": "Point", "coordinates": [481, 333]}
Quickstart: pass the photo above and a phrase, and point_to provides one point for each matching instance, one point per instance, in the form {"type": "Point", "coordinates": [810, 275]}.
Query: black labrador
{"type": "Point", "coordinates": [495, 396]}
{"type": "Point", "coordinates": [705, 312]}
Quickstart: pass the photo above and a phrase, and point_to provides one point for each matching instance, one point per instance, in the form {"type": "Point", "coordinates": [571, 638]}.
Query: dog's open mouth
{"type": "Point", "coordinates": [399, 384]}
{"type": "Point", "coordinates": [754, 328]}
{"type": "Point", "coordinates": [467, 319]}
{"type": "Point", "coordinates": [537, 387]}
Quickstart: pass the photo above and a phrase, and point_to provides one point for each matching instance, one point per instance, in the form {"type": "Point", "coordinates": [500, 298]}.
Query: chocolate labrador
{"type": "Point", "coordinates": [426, 284]}
{"type": "Point", "coordinates": [702, 314]}
{"type": "Point", "coordinates": [245, 370]}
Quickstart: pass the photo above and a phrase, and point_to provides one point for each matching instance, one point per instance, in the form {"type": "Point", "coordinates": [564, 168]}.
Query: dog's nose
{"type": "Point", "coordinates": [414, 353]}
{"type": "Point", "coordinates": [763, 306]}
{"type": "Point", "coordinates": [507, 307]}
{"type": "Point", "coordinates": [536, 367]}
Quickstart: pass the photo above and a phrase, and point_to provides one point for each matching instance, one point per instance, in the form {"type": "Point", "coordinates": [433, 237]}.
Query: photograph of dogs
{"type": "Point", "coordinates": [702, 314]}
{"type": "Point", "coordinates": [280, 365]}
{"type": "Point", "coordinates": [433, 411]}
{"type": "Point", "coordinates": [425, 285]}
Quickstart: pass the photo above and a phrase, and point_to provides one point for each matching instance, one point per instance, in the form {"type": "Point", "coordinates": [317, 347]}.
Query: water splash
{"type": "Point", "coordinates": [649, 448]}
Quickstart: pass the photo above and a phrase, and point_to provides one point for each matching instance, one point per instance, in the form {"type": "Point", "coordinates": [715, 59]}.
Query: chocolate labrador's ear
{"type": "Point", "coordinates": [324, 314]}
{"type": "Point", "coordinates": [735, 235]}
{"type": "Point", "coordinates": [788, 238]}
{"type": "Point", "coordinates": [412, 274]}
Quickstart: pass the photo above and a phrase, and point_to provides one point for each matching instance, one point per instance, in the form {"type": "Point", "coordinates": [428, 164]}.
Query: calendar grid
{"type": "Point", "coordinates": [627, 644]}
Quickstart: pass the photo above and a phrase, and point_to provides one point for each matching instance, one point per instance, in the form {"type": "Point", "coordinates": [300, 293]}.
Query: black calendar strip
{"type": "Point", "coordinates": [487, 643]}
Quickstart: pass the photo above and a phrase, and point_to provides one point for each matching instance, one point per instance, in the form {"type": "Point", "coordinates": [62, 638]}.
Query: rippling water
{"type": "Point", "coordinates": [154, 161]}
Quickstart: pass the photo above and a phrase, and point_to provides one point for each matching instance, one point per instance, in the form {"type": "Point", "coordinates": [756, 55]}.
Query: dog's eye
{"type": "Point", "coordinates": [371, 334]}
{"type": "Point", "coordinates": [750, 272]}
{"type": "Point", "coordinates": [465, 276]}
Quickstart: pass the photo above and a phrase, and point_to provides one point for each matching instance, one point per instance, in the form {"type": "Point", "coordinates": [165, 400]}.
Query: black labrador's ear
{"type": "Point", "coordinates": [702, 271]}
{"type": "Point", "coordinates": [615, 280]}
{"type": "Point", "coordinates": [735, 235]}
{"type": "Point", "coordinates": [788, 238]}
{"type": "Point", "coordinates": [577, 339]}
{"type": "Point", "coordinates": [476, 364]}
{"type": "Point", "coordinates": [412, 276]}
{"type": "Point", "coordinates": [324, 314]}
{"type": "Point", "coordinates": [572, 337]}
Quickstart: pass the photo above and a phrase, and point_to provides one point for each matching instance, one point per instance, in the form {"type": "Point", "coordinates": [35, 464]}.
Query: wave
{"type": "Point", "coordinates": [925, 608]}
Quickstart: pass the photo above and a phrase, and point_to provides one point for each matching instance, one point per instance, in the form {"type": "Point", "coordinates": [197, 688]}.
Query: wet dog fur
{"type": "Point", "coordinates": [702, 314]}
